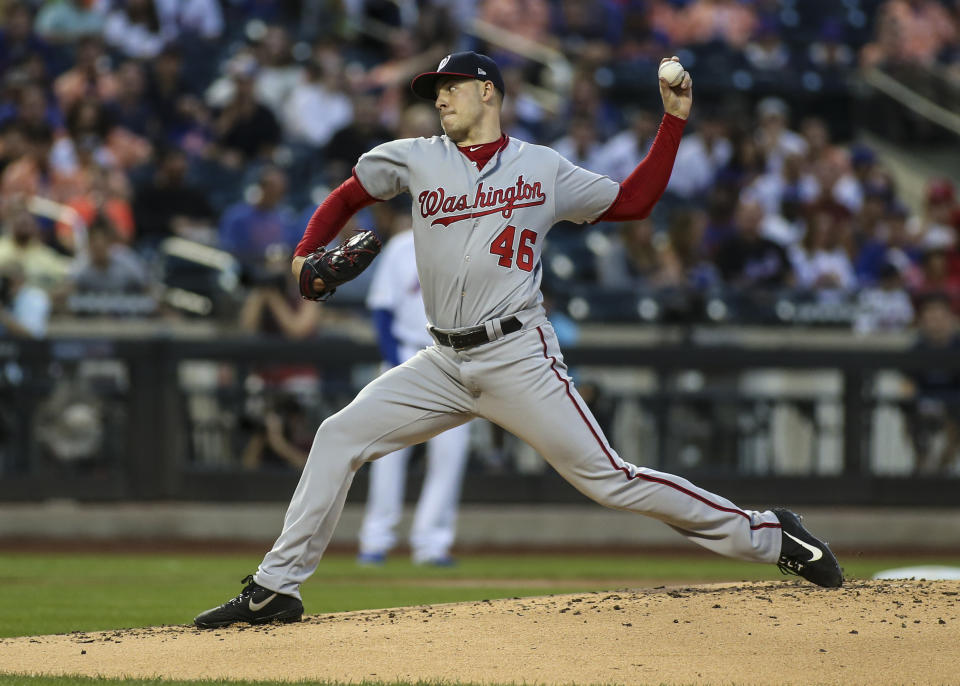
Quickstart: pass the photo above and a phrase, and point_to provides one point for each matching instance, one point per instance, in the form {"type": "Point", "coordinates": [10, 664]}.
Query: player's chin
{"type": "Point", "coordinates": [454, 133]}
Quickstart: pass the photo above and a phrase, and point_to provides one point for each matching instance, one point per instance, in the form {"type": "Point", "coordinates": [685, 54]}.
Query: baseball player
{"type": "Point", "coordinates": [482, 205]}
{"type": "Point", "coordinates": [401, 324]}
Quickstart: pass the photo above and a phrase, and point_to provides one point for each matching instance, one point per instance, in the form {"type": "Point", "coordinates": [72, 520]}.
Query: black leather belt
{"type": "Point", "coordinates": [475, 335]}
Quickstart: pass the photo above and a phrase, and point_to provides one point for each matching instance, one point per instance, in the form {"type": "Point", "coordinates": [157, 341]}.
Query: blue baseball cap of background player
{"type": "Point", "coordinates": [469, 65]}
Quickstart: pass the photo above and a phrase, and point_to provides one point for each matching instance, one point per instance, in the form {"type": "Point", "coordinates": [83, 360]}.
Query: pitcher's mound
{"type": "Point", "coordinates": [869, 632]}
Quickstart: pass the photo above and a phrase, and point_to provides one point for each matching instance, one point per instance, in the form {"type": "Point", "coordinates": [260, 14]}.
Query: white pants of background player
{"type": "Point", "coordinates": [519, 382]}
{"type": "Point", "coordinates": [435, 519]}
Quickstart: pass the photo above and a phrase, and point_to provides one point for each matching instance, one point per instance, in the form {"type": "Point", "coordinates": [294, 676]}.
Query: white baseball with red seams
{"type": "Point", "coordinates": [478, 236]}
{"type": "Point", "coordinates": [671, 72]}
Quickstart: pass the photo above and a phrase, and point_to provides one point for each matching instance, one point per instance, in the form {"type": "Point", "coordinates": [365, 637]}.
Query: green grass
{"type": "Point", "coordinates": [57, 593]}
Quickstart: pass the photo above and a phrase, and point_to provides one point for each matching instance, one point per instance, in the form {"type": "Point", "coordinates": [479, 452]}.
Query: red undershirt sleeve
{"type": "Point", "coordinates": [643, 188]}
{"type": "Point", "coordinates": [332, 215]}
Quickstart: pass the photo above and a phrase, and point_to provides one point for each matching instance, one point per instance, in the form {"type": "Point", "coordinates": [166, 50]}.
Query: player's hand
{"type": "Point", "coordinates": [678, 99]}
{"type": "Point", "coordinates": [298, 265]}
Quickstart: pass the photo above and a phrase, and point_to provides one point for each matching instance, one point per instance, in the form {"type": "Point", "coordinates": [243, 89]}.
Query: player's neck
{"type": "Point", "coordinates": [482, 133]}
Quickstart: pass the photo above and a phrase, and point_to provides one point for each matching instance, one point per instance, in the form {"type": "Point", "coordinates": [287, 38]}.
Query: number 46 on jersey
{"type": "Point", "coordinates": [503, 246]}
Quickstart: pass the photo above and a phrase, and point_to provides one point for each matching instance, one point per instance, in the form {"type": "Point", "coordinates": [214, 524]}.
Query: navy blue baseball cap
{"type": "Point", "coordinates": [468, 65]}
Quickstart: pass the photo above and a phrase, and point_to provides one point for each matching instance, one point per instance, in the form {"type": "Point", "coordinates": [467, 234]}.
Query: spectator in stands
{"type": "Point", "coordinates": [721, 207]}
{"type": "Point", "coordinates": [246, 130]}
{"type": "Point", "coordinates": [901, 248]}
{"type": "Point", "coordinates": [24, 309]}
{"type": "Point", "coordinates": [776, 140]}
{"type": "Point", "coordinates": [13, 146]}
{"type": "Point", "coordinates": [97, 190]}
{"type": "Point", "coordinates": [830, 55]}
{"type": "Point", "coordinates": [18, 42]}
{"type": "Point", "coordinates": [935, 277]}
{"type": "Point", "coordinates": [91, 75]}
{"type": "Point", "coordinates": [884, 306]}
{"type": "Point", "coordinates": [273, 306]}
{"type": "Point", "coordinates": [869, 235]}
{"type": "Point", "coordinates": [365, 132]}
{"type": "Point", "coordinates": [683, 258]}
{"type": "Point", "coordinates": [820, 262]}
{"type": "Point", "coordinates": [279, 432]}
{"type": "Point", "coordinates": [418, 120]}
{"type": "Point", "coordinates": [129, 107]}
{"type": "Point", "coordinates": [165, 87]}
{"type": "Point", "coordinates": [184, 119]}
{"type": "Point", "coordinates": [936, 390]}
{"type": "Point", "coordinates": [747, 162]}
{"type": "Point", "coordinates": [587, 100]}
{"type": "Point", "coordinates": [43, 267]}
{"type": "Point", "coordinates": [747, 260]}
{"type": "Point", "coordinates": [704, 21]}
{"type": "Point", "coordinates": [33, 174]}
{"type": "Point", "coordinates": [280, 438]}
{"type": "Point", "coordinates": [633, 258]}
{"type": "Point", "coordinates": [909, 31]}
{"type": "Point", "coordinates": [30, 108]}
{"type": "Point", "coordinates": [816, 134]}
{"type": "Point", "coordinates": [277, 73]}
{"type": "Point", "coordinates": [767, 54]}
{"type": "Point", "coordinates": [90, 124]}
{"type": "Point", "coordinates": [588, 31]}
{"type": "Point", "coordinates": [581, 145]}
{"type": "Point", "coordinates": [256, 228]}
{"type": "Point", "coordinates": [620, 155]}
{"type": "Point", "coordinates": [934, 229]}
{"type": "Point", "coordinates": [529, 103]}
{"type": "Point", "coordinates": [702, 153]}
{"type": "Point", "coordinates": [865, 168]}
{"type": "Point", "coordinates": [136, 29]}
{"type": "Point", "coordinates": [108, 266]}
{"type": "Point", "coordinates": [527, 18]}
{"type": "Point", "coordinates": [316, 92]}
{"type": "Point", "coordinates": [836, 180]}
{"type": "Point", "coordinates": [168, 205]}
{"type": "Point", "coordinates": [791, 179]}
{"type": "Point", "coordinates": [193, 19]}
{"type": "Point", "coordinates": [787, 226]}
{"type": "Point", "coordinates": [67, 21]}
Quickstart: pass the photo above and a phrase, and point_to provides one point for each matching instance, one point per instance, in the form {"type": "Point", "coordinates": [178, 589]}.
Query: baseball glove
{"type": "Point", "coordinates": [337, 266]}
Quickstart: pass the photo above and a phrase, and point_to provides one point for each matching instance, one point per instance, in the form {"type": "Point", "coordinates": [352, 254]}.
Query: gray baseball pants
{"type": "Point", "coordinates": [519, 382]}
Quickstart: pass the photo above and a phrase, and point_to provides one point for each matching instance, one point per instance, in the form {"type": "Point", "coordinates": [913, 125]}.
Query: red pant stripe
{"type": "Point", "coordinates": [624, 470]}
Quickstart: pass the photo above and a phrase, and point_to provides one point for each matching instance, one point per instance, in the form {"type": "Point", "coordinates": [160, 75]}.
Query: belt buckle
{"type": "Point", "coordinates": [457, 348]}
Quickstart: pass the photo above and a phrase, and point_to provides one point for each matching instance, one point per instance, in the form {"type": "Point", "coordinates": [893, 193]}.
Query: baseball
{"type": "Point", "coordinates": [671, 72]}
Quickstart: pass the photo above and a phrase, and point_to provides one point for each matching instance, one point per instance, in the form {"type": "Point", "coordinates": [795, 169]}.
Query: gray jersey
{"type": "Point", "coordinates": [479, 233]}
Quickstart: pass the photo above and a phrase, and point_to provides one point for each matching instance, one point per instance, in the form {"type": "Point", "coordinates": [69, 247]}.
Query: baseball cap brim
{"type": "Point", "coordinates": [425, 85]}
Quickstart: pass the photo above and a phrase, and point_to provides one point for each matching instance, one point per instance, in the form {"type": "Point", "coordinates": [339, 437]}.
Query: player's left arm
{"type": "Point", "coordinates": [640, 191]}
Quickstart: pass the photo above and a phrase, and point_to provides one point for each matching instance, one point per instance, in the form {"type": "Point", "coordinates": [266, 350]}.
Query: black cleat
{"type": "Point", "coordinates": [805, 555]}
{"type": "Point", "coordinates": [255, 604]}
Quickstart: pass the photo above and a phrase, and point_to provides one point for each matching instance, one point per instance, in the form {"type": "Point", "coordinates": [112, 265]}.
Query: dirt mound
{"type": "Point", "coordinates": [870, 632]}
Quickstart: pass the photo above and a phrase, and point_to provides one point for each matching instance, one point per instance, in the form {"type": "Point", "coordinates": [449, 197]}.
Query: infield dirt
{"type": "Point", "coordinates": [869, 632]}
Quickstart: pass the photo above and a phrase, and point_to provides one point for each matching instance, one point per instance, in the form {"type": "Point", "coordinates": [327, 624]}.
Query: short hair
{"type": "Point", "coordinates": [934, 298]}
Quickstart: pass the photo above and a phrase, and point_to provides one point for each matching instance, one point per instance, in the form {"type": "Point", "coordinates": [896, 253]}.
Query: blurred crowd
{"type": "Point", "coordinates": [160, 158]}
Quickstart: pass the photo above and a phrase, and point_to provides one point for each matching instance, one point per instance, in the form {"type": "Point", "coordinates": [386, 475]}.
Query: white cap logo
{"type": "Point", "coordinates": [443, 62]}
{"type": "Point", "coordinates": [481, 72]}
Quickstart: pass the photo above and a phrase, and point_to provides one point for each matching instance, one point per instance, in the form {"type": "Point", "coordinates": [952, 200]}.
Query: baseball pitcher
{"type": "Point", "coordinates": [482, 205]}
